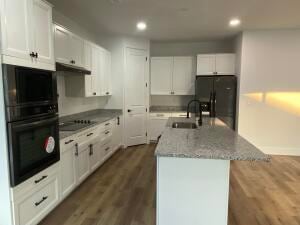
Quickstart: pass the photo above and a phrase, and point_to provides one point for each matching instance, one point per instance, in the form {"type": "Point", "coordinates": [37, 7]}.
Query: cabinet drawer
{"type": "Point", "coordinates": [34, 182]}
{"type": "Point", "coordinates": [31, 209]}
{"type": "Point", "coordinates": [106, 134]}
{"type": "Point", "coordinates": [67, 143]}
{"type": "Point", "coordinates": [107, 148]}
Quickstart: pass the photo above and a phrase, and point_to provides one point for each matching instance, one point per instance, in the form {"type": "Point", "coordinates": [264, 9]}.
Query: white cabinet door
{"type": "Point", "coordinates": [43, 31]}
{"type": "Point", "coordinates": [96, 71]}
{"type": "Point", "coordinates": [108, 74]}
{"type": "Point", "coordinates": [89, 79]}
{"type": "Point", "coordinates": [161, 75]}
{"type": "Point", "coordinates": [82, 163]}
{"type": "Point", "coordinates": [62, 45]}
{"type": "Point", "coordinates": [225, 64]}
{"type": "Point", "coordinates": [77, 50]}
{"type": "Point", "coordinates": [95, 154]}
{"type": "Point", "coordinates": [105, 72]}
{"type": "Point", "coordinates": [16, 29]}
{"type": "Point", "coordinates": [183, 76]}
{"type": "Point", "coordinates": [206, 64]}
{"type": "Point", "coordinates": [116, 133]}
{"type": "Point", "coordinates": [67, 167]}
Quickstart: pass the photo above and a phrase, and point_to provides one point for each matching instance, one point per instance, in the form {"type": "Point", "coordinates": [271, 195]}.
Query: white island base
{"type": "Point", "coordinates": [192, 191]}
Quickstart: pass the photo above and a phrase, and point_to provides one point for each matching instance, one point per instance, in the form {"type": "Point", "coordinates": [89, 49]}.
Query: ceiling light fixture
{"type": "Point", "coordinates": [234, 22]}
{"type": "Point", "coordinates": [141, 26]}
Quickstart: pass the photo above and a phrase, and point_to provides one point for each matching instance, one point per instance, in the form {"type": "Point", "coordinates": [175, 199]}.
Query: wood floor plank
{"type": "Point", "coordinates": [122, 192]}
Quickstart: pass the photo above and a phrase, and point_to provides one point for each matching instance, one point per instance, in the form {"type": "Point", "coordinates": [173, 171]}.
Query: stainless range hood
{"type": "Point", "coordinates": [71, 70]}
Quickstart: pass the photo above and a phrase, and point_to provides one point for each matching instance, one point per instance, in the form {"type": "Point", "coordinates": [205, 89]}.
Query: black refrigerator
{"type": "Point", "coordinates": [218, 96]}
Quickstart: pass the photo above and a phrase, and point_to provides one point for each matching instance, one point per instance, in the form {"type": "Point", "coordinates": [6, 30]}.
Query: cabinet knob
{"type": "Point", "coordinates": [107, 93]}
{"type": "Point", "coordinates": [129, 110]}
{"type": "Point", "coordinates": [36, 55]}
{"type": "Point", "coordinates": [94, 93]}
{"type": "Point", "coordinates": [32, 54]}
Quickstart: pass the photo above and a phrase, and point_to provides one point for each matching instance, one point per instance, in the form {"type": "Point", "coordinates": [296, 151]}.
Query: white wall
{"type": "Point", "coordinates": [5, 203]}
{"type": "Point", "coordinates": [185, 49]}
{"type": "Point", "coordinates": [269, 110]}
{"type": "Point", "coordinates": [68, 105]}
{"type": "Point", "coordinates": [238, 44]}
{"type": "Point", "coordinates": [190, 48]}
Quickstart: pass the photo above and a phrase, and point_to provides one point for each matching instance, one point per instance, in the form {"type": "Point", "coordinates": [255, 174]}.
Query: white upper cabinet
{"type": "Point", "coordinates": [206, 64]}
{"type": "Point", "coordinates": [172, 75]}
{"type": "Point", "coordinates": [77, 51]}
{"type": "Point", "coordinates": [62, 45]}
{"type": "Point", "coordinates": [69, 48]}
{"type": "Point", "coordinates": [216, 64]}
{"type": "Point", "coordinates": [43, 31]}
{"type": "Point", "coordinates": [26, 30]}
{"type": "Point", "coordinates": [184, 76]}
{"type": "Point", "coordinates": [105, 73]}
{"type": "Point", "coordinates": [98, 61]}
{"type": "Point", "coordinates": [161, 75]}
{"type": "Point", "coordinates": [225, 64]}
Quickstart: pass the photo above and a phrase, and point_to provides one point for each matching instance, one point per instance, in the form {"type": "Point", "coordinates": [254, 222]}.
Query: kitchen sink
{"type": "Point", "coordinates": [184, 125]}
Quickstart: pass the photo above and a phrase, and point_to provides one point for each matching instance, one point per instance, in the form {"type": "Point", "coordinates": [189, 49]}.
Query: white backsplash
{"type": "Point", "coordinates": [165, 100]}
{"type": "Point", "coordinates": [70, 105]}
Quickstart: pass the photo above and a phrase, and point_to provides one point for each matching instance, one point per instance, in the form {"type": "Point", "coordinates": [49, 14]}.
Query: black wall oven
{"type": "Point", "coordinates": [32, 120]}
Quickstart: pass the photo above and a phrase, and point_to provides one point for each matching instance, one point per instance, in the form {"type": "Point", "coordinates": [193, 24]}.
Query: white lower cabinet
{"type": "Point", "coordinates": [67, 166]}
{"type": "Point", "coordinates": [82, 162]}
{"type": "Point", "coordinates": [95, 154]}
{"type": "Point", "coordinates": [33, 199]}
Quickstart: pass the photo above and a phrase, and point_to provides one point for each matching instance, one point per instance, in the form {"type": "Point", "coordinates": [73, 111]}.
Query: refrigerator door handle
{"type": "Point", "coordinates": [214, 102]}
{"type": "Point", "coordinates": [211, 104]}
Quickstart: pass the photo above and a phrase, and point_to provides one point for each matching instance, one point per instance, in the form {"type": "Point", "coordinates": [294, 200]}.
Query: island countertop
{"type": "Point", "coordinates": [212, 140]}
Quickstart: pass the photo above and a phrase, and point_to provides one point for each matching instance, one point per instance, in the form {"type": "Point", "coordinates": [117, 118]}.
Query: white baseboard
{"type": "Point", "coordinates": [280, 151]}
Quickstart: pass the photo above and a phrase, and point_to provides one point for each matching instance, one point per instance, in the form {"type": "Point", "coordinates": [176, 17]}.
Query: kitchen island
{"type": "Point", "coordinates": [193, 167]}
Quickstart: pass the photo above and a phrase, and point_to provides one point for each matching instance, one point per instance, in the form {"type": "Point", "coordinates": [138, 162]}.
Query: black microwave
{"type": "Point", "coordinates": [29, 92]}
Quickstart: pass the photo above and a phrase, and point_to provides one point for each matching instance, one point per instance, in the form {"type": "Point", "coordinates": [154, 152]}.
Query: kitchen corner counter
{"type": "Point", "coordinates": [213, 140]}
{"type": "Point", "coordinates": [98, 116]}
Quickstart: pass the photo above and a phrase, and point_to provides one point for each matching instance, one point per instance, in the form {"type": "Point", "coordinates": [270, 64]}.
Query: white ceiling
{"type": "Point", "coordinates": [181, 20]}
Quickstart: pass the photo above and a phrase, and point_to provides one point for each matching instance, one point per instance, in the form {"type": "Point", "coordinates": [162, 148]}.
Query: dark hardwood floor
{"type": "Point", "coordinates": [122, 192]}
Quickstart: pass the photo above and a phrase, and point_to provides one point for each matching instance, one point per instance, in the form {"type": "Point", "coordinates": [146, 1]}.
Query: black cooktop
{"type": "Point", "coordinates": [75, 125]}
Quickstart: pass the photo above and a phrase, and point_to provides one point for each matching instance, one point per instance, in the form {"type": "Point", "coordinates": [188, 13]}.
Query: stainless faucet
{"type": "Point", "coordinates": [200, 111]}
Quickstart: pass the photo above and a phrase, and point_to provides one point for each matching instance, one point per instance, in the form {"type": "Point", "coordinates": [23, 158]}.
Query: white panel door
{"type": "Point", "coordinates": [16, 29]}
{"type": "Point", "coordinates": [161, 75]}
{"type": "Point", "coordinates": [77, 50]}
{"type": "Point", "coordinates": [82, 163]}
{"type": "Point", "coordinates": [206, 64]}
{"type": "Point", "coordinates": [43, 31]}
{"type": "Point", "coordinates": [67, 167]}
{"type": "Point", "coordinates": [62, 45]}
{"type": "Point", "coordinates": [135, 97]}
{"type": "Point", "coordinates": [225, 64]}
{"type": "Point", "coordinates": [183, 76]}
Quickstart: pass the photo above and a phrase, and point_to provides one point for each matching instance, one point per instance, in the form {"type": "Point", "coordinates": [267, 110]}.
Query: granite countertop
{"type": "Point", "coordinates": [212, 140]}
{"type": "Point", "coordinates": [98, 116]}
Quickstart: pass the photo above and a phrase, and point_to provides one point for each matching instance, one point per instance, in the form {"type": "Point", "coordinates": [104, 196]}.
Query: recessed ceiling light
{"type": "Point", "coordinates": [141, 26]}
{"type": "Point", "coordinates": [234, 22]}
